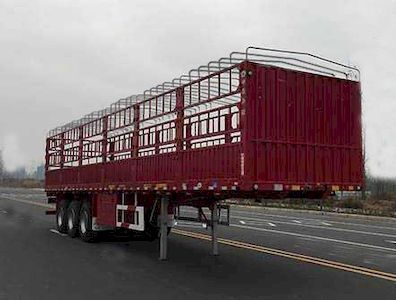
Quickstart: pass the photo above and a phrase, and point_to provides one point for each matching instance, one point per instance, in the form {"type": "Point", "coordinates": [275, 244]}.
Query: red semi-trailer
{"type": "Point", "coordinates": [260, 123]}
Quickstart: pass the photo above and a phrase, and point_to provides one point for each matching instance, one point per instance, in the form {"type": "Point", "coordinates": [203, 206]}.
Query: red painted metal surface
{"type": "Point", "coordinates": [273, 129]}
{"type": "Point", "coordinates": [105, 210]}
{"type": "Point", "coordinates": [304, 130]}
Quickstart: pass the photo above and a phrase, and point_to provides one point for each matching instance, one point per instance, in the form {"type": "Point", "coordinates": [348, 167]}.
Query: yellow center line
{"type": "Point", "coordinates": [294, 256]}
{"type": "Point", "coordinates": [257, 248]}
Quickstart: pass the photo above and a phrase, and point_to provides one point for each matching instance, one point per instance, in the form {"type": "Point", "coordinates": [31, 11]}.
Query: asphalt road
{"type": "Point", "coordinates": [264, 254]}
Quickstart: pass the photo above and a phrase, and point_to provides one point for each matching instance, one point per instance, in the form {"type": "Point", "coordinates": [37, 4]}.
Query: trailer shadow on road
{"type": "Point", "coordinates": [46, 265]}
{"type": "Point", "coordinates": [236, 273]}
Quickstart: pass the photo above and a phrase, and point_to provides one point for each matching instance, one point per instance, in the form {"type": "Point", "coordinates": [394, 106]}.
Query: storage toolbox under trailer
{"type": "Point", "coordinates": [262, 123]}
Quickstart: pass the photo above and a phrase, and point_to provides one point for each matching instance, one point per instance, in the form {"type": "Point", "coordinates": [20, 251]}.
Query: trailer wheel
{"type": "Point", "coordinates": [85, 224]}
{"type": "Point", "coordinates": [151, 232]}
{"type": "Point", "coordinates": [61, 216]}
{"type": "Point", "coordinates": [73, 213]}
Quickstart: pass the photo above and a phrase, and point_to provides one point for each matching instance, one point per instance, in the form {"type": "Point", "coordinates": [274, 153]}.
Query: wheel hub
{"type": "Point", "coordinates": [59, 220]}
{"type": "Point", "coordinates": [83, 225]}
{"type": "Point", "coordinates": [70, 222]}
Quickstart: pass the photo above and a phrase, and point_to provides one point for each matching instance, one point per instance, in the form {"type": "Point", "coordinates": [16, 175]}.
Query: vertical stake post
{"type": "Point", "coordinates": [164, 228]}
{"type": "Point", "coordinates": [136, 127]}
{"type": "Point", "coordinates": [80, 145]}
{"type": "Point", "coordinates": [214, 225]}
{"type": "Point", "coordinates": [62, 150]}
{"type": "Point", "coordinates": [47, 154]}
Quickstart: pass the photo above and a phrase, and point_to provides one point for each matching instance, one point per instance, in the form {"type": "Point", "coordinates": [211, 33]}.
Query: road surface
{"type": "Point", "coordinates": [264, 254]}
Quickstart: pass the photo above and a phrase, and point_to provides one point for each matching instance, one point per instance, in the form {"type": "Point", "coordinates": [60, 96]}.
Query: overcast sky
{"type": "Point", "coordinates": [60, 60]}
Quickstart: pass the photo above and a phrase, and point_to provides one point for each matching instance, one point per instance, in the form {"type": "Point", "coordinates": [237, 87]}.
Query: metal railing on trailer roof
{"type": "Point", "coordinates": [299, 61]}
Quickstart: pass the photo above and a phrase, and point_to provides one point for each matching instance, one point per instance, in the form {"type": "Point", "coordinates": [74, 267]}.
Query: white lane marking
{"type": "Point", "coordinates": [317, 238]}
{"type": "Point", "coordinates": [297, 221]}
{"type": "Point", "coordinates": [242, 222]}
{"type": "Point", "coordinates": [325, 227]}
{"type": "Point", "coordinates": [325, 223]}
{"type": "Point", "coordinates": [260, 223]}
{"type": "Point", "coordinates": [262, 214]}
{"type": "Point", "coordinates": [27, 201]}
{"type": "Point", "coordinates": [392, 242]}
{"type": "Point", "coordinates": [190, 225]}
{"type": "Point", "coordinates": [3, 211]}
{"type": "Point", "coordinates": [57, 232]}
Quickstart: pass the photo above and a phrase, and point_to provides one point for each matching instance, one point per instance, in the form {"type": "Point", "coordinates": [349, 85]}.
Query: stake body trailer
{"type": "Point", "coordinates": [260, 123]}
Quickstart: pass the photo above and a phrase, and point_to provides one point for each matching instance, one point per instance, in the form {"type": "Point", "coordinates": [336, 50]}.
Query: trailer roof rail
{"type": "Point", "coordinates": [351, 72]}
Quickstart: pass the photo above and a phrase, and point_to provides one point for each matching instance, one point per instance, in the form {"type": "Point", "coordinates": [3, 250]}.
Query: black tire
{"type": "Point", "coordinates": [73, 216]}
{"type": "Point", "coordinates": [153, 232]}
{"type": "Point", "coordinates": [61, 216]}
{"type": "Point", "coordinates": [85, 224]}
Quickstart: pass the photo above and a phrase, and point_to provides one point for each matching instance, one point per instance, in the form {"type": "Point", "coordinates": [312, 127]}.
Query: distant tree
{"type": "Point", "coordinates": [19, 173]}
{"type": "Point", "coordinates": [366, 175]}
{"type": "Point", "coordinates": [39, 173]}
{"type": "Point", "coordinates": [382, 188]}
{"type": "Point", "coordinates": [1, 166]}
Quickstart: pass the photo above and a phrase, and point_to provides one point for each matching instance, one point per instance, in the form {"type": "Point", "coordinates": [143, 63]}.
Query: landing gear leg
{"type": "Point", "coordinates": [214, 225]}
{"type": "Point", "coordinates": [164, 228]}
